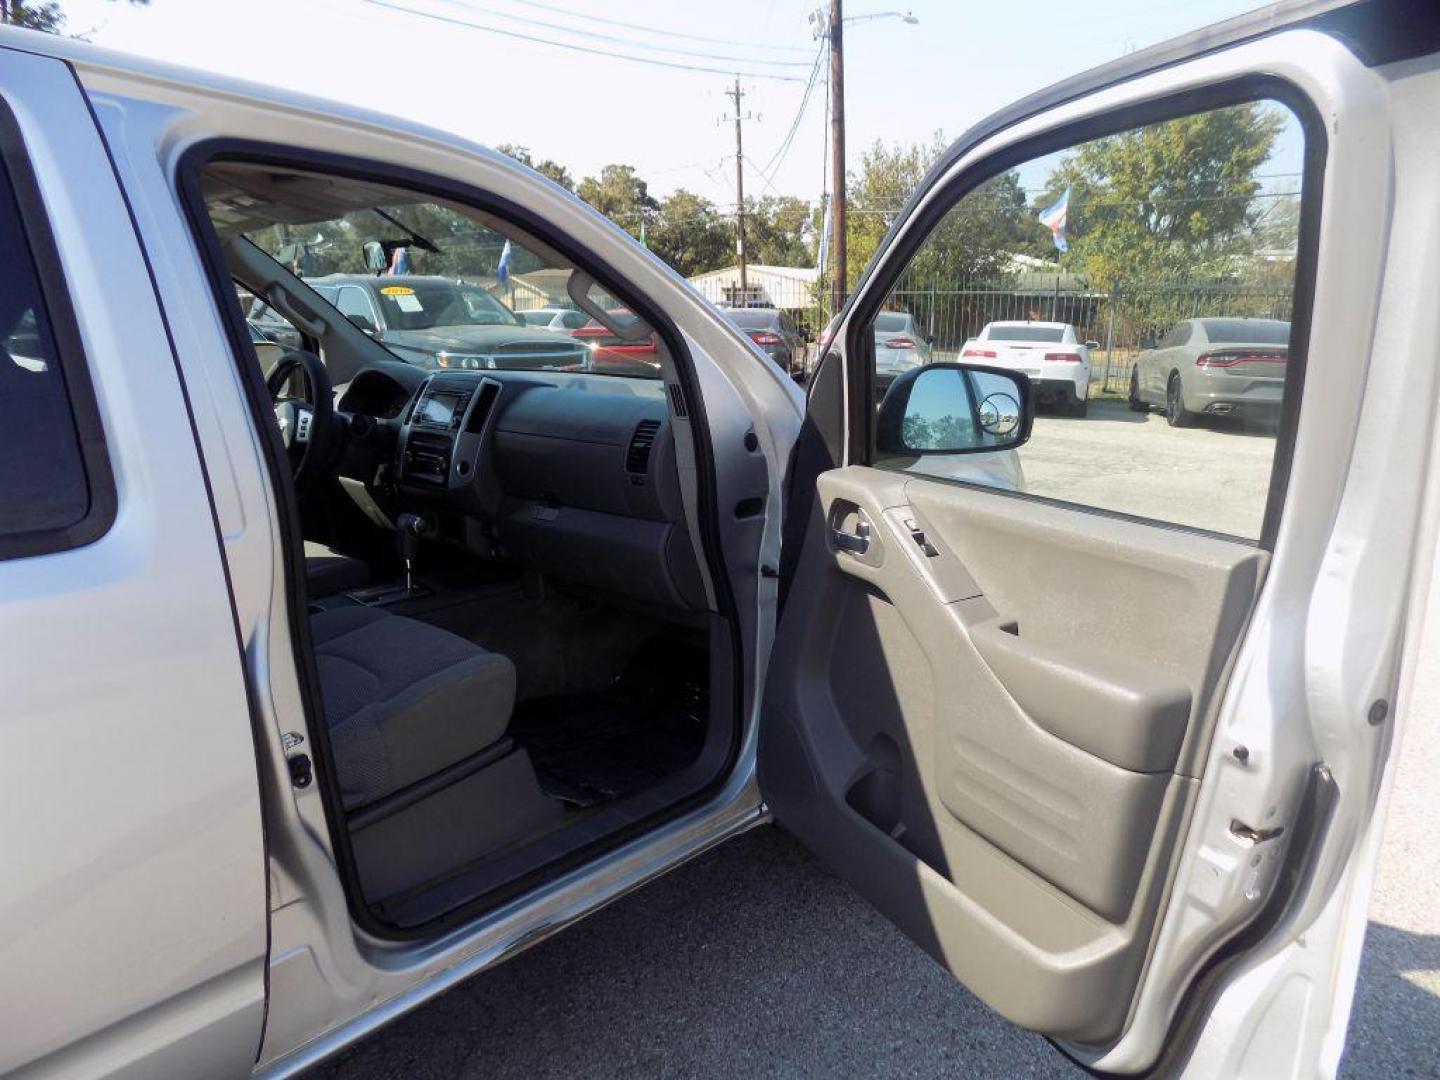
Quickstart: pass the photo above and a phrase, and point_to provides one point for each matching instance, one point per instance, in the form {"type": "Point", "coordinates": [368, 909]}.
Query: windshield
{"type": "Point", "coordinates": [1246, 331]}
{"type": "Point", "coordinates": [425, 305]}
{"type": "Point", "coordinates": [1023, 332]}
{"type": "Point", "coordinates": [437, 284]}
{"type": "Point", "coordinates": [888, 322]}
{"type": "Point", "coordinates": [751, 320]}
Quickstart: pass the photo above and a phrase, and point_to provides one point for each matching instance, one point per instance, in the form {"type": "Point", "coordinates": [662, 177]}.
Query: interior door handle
{"type": "Point", "coordinates": [857, 542]}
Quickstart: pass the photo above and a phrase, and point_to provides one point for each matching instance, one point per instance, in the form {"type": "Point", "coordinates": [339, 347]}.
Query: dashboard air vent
{"type": "Point", "coordinates": [637, 457]}
{"type": "Point", "coordinates": [677, 401]}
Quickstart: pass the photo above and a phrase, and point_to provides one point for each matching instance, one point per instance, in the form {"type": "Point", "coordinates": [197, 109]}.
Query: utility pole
{"type": "Point", "coordinates": [837, 155]}
{"type": "Point", "coordinates": [735, 95]}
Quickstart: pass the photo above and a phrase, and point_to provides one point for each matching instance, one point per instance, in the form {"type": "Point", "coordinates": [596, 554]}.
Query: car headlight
{"type": "Point", "coordinates": [463, 361]}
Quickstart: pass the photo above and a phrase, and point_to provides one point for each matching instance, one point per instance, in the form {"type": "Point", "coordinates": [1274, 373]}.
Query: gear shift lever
{"type": "Point", "coordinates": [408, 528]}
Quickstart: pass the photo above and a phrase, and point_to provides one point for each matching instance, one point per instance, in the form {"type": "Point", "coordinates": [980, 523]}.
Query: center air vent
{"type": "Point", "coordinates": [637, 457]}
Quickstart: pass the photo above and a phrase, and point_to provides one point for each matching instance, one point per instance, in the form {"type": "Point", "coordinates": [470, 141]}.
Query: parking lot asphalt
{"type": "Point", "coordinates": [755, 960]}
{"type": "Point", "coordinates": [1215, 475]}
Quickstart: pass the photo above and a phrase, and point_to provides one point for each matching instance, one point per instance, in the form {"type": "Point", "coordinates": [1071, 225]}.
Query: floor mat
{"type": "Point", "coordinates": [588, 748]}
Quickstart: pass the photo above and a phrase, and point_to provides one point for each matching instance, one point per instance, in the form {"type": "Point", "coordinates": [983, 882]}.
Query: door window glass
{"type": "Point", "coordinates": [43, 484]}
{"type": "Point", "coordinates": [355, 306]}
{"type": "Point", "coordinates": [1144, 282]}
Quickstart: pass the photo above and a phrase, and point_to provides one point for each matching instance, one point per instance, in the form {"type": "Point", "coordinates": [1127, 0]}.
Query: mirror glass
{"type": "Point", "coordinates": [949, 408]}
{"type": "Point", "coordinates": [374, 256]}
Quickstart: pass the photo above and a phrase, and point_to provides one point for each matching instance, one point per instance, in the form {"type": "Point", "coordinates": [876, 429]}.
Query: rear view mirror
{"type": "Point", "coordinates": [375, 260]}
{"type": "Point", "coordinates": [954, 409]}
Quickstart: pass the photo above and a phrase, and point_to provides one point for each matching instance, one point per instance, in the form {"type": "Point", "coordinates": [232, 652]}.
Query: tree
{"type": "Point", "coordinates": [1167, 201]}
{"type": "Point", "coordinates": [973, 242]}
{"type": "Point", "coordinates": [620, 195]}
{"type": "Point", "coordinates": [46, 15]}
{"type": "Point", "coordinates": [34, 15]}
{"type": "Point", "coordinates": [690, 234]}
{"type": "Point", "coordinates": [552, 170]}
{"type": "Point", "coordinates": [776, 228]}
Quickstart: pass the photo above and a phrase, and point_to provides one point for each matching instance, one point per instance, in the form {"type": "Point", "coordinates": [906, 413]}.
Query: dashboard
{"type": "Point", "coordinates": [571, 474]}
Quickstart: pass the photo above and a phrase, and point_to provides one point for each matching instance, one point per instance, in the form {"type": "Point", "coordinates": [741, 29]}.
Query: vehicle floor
{"type": "Point", "coordinates": [560, 644]}
{"type": "Point", "coordinates": [605, 754]}
{"type": "Point", "coordinates": [593, 746]}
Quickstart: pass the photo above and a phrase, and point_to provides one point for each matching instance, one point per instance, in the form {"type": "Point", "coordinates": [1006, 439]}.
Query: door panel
{"type": "Point", "coordinates": [1078, 752]}
{"type": "Point", "coordinates": [1016, 734]}
{"type": "Point", "coordinates": [134, 881]}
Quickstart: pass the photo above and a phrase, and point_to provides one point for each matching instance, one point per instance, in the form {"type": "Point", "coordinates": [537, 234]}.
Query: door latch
{"type": "Point", "coordinates": [857, 542]}
{"type": "Point", "coordinates": [301, 771]}
{"type": "Point", "coordinates": [1251, 835]}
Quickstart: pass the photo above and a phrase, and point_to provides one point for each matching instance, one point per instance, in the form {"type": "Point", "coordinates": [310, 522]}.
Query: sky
{"type": "Point", "coordinates": [584, 106]}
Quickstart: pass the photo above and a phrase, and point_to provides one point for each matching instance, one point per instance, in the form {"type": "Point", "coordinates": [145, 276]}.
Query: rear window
{"type": "Point", "coordinates": [46, 497]}
{"type": "Point", "coordinates": [1246, 331]}
{"type": "Point", "coordinates": [1020, 332]}
{"type": "Point", "coordinates": [889, 322]}
{"type": "Point", "coordinates": [752, 320]}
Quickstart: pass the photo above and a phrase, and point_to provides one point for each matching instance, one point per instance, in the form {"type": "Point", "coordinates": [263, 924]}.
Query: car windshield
{"type": "Point", "coordinates": [433, 282]}
{"type": "Point", "coordinates": [1025, 332]}
{"type": "Point", "coordinates": [425, 305]}
{"type": "Point", "coordinates": [1246, 331]}
{"type": "Point", "coordinates": [752, 320]}
{"type": "Point", "coordinates": [891, 322]}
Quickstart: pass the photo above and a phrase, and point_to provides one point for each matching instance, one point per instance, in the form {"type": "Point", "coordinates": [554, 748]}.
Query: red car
{"type": "Point", "coordinates": [614, 355]}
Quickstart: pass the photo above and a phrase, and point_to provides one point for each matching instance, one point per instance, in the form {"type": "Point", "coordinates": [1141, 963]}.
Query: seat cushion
{"type": "Point", "coordinates": [404, 699]}
{"type": "Point", "coordinates": [327, 572]}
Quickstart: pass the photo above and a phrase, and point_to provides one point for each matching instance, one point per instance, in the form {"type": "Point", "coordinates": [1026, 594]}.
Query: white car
{"type": "Point", "coordinates": [1051, 353]}
{"type": "Point", "coordinates": [553, 318]}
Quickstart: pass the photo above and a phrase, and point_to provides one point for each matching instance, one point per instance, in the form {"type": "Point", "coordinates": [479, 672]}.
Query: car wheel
{"type": "Point", "coordinates": [1080, 409]}
{"type": "Point", "coordinates": [1136, 404]}
{"type": "Point", "coordinates": [1176, 415]}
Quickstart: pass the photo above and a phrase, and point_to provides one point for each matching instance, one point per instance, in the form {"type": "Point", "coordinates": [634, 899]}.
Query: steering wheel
{"type": "Point", "coordinates": [307, 425]}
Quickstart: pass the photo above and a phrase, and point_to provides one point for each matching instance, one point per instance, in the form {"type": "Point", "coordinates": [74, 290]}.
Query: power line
{"type": "Point", "coordinates": [630, 42]}
{"type": "Point", "coordinates": [778, 158]}
{"type": "Point", "coordinates": [536, 39]}
{"type": "Point", "coordinates": [557, 9]}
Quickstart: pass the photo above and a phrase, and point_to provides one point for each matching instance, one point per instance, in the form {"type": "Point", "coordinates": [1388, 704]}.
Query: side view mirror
{"type": "Point", "coordinates": [362, 321]}
{"type": "Point", "coordinates": [1147, 341]}
{"type": "Point", "coordinates": [1092, 345]}
{"type": "Point", "coordinates": [954, 409]}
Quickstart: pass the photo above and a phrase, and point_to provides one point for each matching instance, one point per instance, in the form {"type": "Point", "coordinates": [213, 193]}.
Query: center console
{"type": "Point", "coordinates": [444, 431]}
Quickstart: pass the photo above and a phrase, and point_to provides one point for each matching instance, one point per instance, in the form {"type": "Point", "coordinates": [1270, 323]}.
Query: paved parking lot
{"type": "Point", "coordinates": [755, 960]}
{"type": "Point", "coordinates": [1214, 476]}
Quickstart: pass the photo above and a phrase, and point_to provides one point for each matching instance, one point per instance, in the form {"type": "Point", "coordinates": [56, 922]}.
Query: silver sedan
{"type": "Point", "coordinates": [1214, 367]}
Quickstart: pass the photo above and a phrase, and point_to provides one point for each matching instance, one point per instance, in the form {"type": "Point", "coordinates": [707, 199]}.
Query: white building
{"type": "Point", "coordinates": [786, 287]}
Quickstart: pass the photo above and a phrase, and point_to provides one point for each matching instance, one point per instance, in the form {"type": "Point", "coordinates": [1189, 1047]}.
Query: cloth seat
{"type": "Point", "coordinates": [328, 573]}
{"type": "Point", "coordinates": [404, 699]}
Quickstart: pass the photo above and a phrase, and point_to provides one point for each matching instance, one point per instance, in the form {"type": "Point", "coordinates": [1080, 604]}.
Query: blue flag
{"type": "Point", "coordinates": [502, 272]}
{"type": "Point", "coordinates": [1053, 218]}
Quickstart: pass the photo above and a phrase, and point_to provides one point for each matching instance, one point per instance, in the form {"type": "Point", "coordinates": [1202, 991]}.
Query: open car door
{"type": "Point", "coordinates": [1104, 722]}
